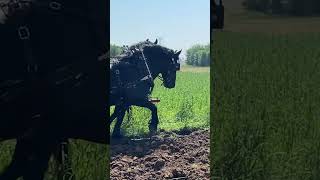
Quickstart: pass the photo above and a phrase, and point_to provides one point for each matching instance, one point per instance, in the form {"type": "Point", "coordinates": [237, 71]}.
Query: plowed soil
{"type": "Point", "coordinates": [169, 155]}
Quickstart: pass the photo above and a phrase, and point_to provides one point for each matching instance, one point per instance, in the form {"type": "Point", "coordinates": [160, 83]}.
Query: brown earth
{"type": "Point", "coordinates": [168, 155]}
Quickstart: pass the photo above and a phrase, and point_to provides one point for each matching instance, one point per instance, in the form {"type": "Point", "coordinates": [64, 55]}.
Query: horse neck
{"type": "Point", "coordinates": [153, 67]}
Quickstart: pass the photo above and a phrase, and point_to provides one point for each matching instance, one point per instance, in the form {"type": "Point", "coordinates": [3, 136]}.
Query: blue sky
{"type": "Point", "coordinates": [179, 23]}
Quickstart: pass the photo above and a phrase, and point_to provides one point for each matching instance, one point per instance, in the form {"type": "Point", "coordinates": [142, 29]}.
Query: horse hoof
{"type": "Point", "coordinates": [152, 133]}
{"type": "Point", "coordinates": [152, 130]}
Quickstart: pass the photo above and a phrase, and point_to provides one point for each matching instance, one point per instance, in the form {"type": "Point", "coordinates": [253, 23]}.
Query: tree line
{"type": "Point", "coordinates": [287, 7]}
{"type": "Point", "coordinates": [197, 55]}
{"type": "Point", "coordinates": [115, 50]}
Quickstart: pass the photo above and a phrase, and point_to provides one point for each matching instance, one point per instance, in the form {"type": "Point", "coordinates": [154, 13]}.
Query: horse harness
{"type": "Point", "coordinates": [18, 9]}
{"type": "Point", "coordinates": [143, 66]}
{"type": "Point", "coordinates": [15, 8]}
{"type": "Point", "coordinates": [10, 9]}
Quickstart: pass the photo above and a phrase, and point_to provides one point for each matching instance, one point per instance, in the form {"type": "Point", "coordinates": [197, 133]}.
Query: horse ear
{"type": "Point", "coordinates": [156, 42]}
{"type": "Point", "coordinates": [147, 40]}
{"type": "Point", "coordinates": [178, 53]}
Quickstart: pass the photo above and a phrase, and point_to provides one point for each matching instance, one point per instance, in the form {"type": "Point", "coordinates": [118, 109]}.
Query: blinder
{"type": "Point", "coordinates": [174, 65]}
{"type": "Point", "coordinates": [178, 65]}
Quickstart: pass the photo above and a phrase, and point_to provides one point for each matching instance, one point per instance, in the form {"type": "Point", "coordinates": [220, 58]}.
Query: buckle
{"type": "Point", "coordinates": [24, 32]}
{"type": "Point", "coordinates": [55, 5]}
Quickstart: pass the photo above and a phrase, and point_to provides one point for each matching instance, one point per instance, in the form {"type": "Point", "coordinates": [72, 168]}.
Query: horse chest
{"type": "Point", "coordinates": [126, 83]}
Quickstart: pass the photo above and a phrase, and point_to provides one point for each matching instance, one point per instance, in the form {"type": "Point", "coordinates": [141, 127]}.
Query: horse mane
{"type": "Point", "coordinates": [147, 43]}
{"type": "Point", "coordinates": [128, 55]}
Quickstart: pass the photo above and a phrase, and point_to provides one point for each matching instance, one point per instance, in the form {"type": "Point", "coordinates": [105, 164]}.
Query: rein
{"type": "Point", "coordinates": [147, 70]}
{"type": "Point", "coordinates": [149, 76]}
{"type": "Point", "coordinates": [136, 82]}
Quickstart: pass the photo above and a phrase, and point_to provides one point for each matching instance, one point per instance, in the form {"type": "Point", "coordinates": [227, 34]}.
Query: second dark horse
{"type": "Point", "coordinates": [132, 76]}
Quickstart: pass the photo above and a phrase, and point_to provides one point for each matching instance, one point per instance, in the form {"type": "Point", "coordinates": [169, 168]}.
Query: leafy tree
{"type": "Point", "coordinates": [198, 55]}
{"type": "Point", "coordinates": [115, 50]}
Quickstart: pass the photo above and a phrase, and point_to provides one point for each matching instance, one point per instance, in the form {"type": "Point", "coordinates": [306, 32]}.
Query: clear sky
{"type": "Point", "coordinates": [179, 23]}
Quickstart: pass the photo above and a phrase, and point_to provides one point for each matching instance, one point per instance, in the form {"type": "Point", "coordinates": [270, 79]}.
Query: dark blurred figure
{"type": "Point", "coordinates": [217, 15]}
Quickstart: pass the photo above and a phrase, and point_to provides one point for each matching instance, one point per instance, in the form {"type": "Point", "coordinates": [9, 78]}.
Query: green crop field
{"type": "Point", "coordinates": [265, 106]}
{"type": "Point", "coordinates": [184, 107]}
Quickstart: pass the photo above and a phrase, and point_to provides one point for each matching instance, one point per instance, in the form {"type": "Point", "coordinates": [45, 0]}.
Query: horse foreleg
{"type": "Point", "coordinates": [113, 117]}
{"type": "Point", "coordinates": [153, 125]}
{"type": "Point", "coordinates": [38, 159]}
{"type": "Point", "coordinates": [117, 126]}
{"type": "Point", "coordinates": [30, 160]}
{"type": "Point", "coordinates": [115, 114]}
{"type": "Point", "coordinates": [40, 144]}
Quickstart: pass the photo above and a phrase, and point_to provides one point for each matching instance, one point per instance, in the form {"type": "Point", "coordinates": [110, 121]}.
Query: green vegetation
{"type": "Point", "coordinates": [185, 106]}
{"type": "Point", "coordinates": [115, 50]}
{"type": "Point", "coordinates": [265, 106]}
{"type": "Point", "coordinates": [89, 160]}
{"type": "Point", "coordinates": [198, 55]}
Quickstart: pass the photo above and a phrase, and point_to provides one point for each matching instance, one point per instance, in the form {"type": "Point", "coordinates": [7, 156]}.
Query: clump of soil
{"type": "Point", "coordinates": [165, 156]}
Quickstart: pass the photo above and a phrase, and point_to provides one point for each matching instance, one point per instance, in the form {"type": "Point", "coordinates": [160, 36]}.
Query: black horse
{"type": "Point", "coordinates": [132, 76]}
{"type": "Point", "coordinates": [52, 86]}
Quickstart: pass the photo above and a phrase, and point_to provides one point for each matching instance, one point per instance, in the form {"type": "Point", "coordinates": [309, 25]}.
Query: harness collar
{"type": "Point", "coordinates": [148, 77]}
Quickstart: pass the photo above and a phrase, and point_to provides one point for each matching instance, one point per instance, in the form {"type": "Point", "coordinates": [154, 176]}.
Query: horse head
{"type": "Point", "coordinates": [160, 60]}
{"type": "Point", "coordinates": [170, 72]}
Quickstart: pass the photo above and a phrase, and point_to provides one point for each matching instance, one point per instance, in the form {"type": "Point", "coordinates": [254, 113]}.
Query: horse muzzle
{"type": "Point", "coordinates": [169, 83]}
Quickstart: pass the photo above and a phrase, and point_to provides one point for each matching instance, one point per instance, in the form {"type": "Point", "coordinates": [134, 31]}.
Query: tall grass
{"type": "Point", "coordinates": [88, 160]}
{"type": "Point", "coordinates": [185, 106]}
{"type": "Point", "coordinates": [265, 106]}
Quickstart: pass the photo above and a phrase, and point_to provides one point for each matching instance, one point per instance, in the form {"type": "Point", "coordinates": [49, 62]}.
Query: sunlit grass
{"type": "Point", "coordinates": [185, 106]}
{"type": "Point", "coordinates": [265, 111]}
{"type": "Point", "coordinates": [89, 160]}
